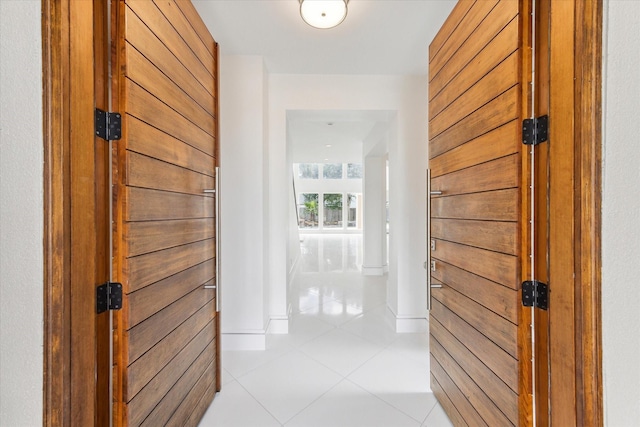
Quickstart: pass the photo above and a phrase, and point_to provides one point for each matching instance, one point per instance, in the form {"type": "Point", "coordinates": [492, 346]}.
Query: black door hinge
{"type": "Point", "coordinates": [535, 131]}
{"type": "Point", "coordinates": [108, 125]}
{"type": "Point", "coordinates": [108, 297]}
{"type": "Point", "coordinates": [535, 294]}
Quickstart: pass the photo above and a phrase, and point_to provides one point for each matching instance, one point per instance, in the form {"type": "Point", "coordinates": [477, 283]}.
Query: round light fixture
{"type": "Point", "coordinates": [323, 13]}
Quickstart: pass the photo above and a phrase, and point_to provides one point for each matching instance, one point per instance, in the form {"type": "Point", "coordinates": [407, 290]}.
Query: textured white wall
{"type": "Point", "coordinates": [620, 206]}
{"type": "Point", "coordinates": [20, 214]}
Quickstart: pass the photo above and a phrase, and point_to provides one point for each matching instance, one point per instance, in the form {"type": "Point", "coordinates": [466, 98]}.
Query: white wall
{"type": "Point", "coordinates": [243, 166]}
{"type": "Point", "coordinates": [374, 234]}
{"type": "Point", "coordinates": [620, 208]}
{"type": "Point", "coordinates": [20, 214]}
{"type": "Point", "coordinates": [407, 159]}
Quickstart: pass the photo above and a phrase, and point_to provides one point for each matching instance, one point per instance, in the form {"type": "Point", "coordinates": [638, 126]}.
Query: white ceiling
{"type": "Point", "coordinates": [384, 37]}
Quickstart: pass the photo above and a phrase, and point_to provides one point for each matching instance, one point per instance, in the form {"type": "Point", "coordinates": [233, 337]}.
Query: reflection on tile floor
{"type": "Point", "coordinates": [341, 365]}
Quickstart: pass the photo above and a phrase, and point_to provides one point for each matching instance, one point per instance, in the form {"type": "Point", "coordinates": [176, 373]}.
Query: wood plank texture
{"type": "Point", "coordinates": [191, 355]}
{"type": "Point", "coordinates": [467, 411]}
{"type": "Point", "coordinates": [145, 139]}
{"type": "Point", "coordinates": [490, 27]}
{"type": "Point", "coordinates": [147, 366]}
{"type": "Point", "coordinates": [497, 143]}
{"type": "Point", "coordinates": [174, 41]}
{"type": "Point", "coordinates": [497, 81]}
{"type": "Point", "coordinates": [496, 328]}
{"type": "Point", "coordinates": [499, 48]}
{"type": "Point", "coordinates": [480, 339]}
{"type": "Point", "coordinates": [500, 299]}
{"type": "Point", "coordinates": [145, 335]}
{"type": "Point", "coordinates": [149, 268]}
{"type": "Point", "coordinates": [172, 13]}
{"type": "Point", "coordinates": [140, 37]}
{"type": "Point", "coordinates": [146, 107]}
{"type": "Point", "coordinates": [496, 359]}
{"type": "Point", "coordinates": [467, 25]}
{"type": "Point", "coordinates": [145, 237]}
{"type": "Point", "coordinates": [493, 386]}
{"type": "Point", "coordinates": [500, 268]}
{"type": "Point", "coordinates": [499, 111]}
{"type": "Point", "coordinates": [498, 174]}
{"type": "Point", "coordinates": [150, 205]}
{"type": "Point", "coordinates": [147, 301]}
{"type": "Point", "coordinates": [147, 75]}
{"type": "Point", "coordinates": [458, 13]}
{"type": "Point", "coordinates": [146, 172]}
{"type": "Point", "coordinates": [198, 25]}
{"type": "Point", "coordinates": [492, 235]}
{"type": "Point", "coordinates": [499, 205]}
{"type": "Point", "coordinates": [167, 333]}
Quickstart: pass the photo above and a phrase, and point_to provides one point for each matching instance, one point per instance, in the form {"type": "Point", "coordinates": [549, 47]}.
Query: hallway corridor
{"type": "Point", "coordinates": [341, 365]}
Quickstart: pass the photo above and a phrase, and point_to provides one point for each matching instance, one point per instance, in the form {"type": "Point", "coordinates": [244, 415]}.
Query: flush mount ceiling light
{"type": "Point", "coordinates": [323, 13]}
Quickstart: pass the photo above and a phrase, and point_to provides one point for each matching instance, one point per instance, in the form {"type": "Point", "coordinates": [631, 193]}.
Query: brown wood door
{"type": "Point", "coordinates": [478, 96]}
{"type": "Point", "coordinates": [166, 338]}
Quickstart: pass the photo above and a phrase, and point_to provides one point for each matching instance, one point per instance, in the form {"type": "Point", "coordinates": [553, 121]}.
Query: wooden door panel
{"type": "Point", "coordinates": [149, 205]}
{"type": "Point", "coordinates": [447, 346]}
{"type": "Point", "coordinates": [500, 299]}
{"type": "Point", "coordinates": [149, 109]}
{"type": "Point", "coordinates": [143, 72]}
{"type": "Point", "coordinates": [480, 335]}
{"type": "Point", "coordinates": [166, 351]}
{"type": "Point", "coordinates": [465, 49]}
{"type": "Point", "coordinates": [500, 268]}
{"type": "Point", "coordinates": [465, 27]}
{"type": "Point", "coordinates": [501, 110]}
{"type": "Point", "coordinates": [492, 235]}
{"type": "Point", "coordinates": [142, 337]}
{"type": "Point", "coordinates": [501, 205]}
{"type": "Point", "coordinates": [141, 38]}
{"type": "Point", "coordinates": [170, 9]}
{"type": "Point", "coordinates": [149, 364]}
{"type": "Point", "coordinates": [446, 403]}
{"type": "Point", "coordinates": [145, 237]}
{"type": "Point", "coordinates": [485, 407]}
{"type": "Point", "coordinates": [496, 143]}
{"type": "Point", "coordinates": [466, 410]}
{"type": "Point", "coordinates": [500, 47]}
{"type": "Point", "coordinates": [190, 12]}
{"type": "Point", "coordinates": [496, 328]}
{"type": "Point", "coordinates": [497, 174]}
{"type": "Point", "coordinates": [498, 80]}
{"type": "Point", "coordinates": [149, 300]}
{"type": "Point", "coordinates": [183, 387]}
{"type": "Point", "coordinates": [202, 70]}
{"type": "Point", "coordinates": [154, 143]}
{"type": "Point", "coordinates": [146, 172]}
{"type": "Point", "coordinates": [146, 269]}
{"type": "Point", "coordinates": [142, 404]}
{"type": "Point", "coordinates": [496, 359]}
{"type": "Point", "coordinates": [197, 401]}
{"type": "Point", "coordinates": [459, 11]}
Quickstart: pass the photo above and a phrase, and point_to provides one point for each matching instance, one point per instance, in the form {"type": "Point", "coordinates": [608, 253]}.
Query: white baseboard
{"type": "Point", "coordinates": [412, 325]}
{"type": "Point", "coordinates": [253, 341]}
{"type": "Point", "coordinates": [278, 325]}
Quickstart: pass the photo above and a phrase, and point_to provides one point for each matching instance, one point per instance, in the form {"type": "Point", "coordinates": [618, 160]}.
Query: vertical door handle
{"type": "Point", "coordinates": [217, 242]}
{"type": "Point", "coordinates": [428, 261]}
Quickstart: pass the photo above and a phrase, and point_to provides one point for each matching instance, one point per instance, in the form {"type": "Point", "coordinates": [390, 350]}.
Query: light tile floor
{"type": "Point", "coordinates": [341, 365]}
